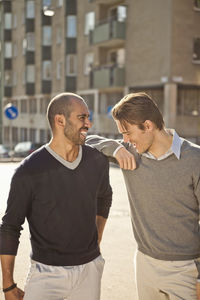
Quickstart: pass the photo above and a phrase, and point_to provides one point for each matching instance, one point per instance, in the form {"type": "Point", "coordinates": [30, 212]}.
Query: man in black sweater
{"type": "Point", "coordinates": [63, 190]}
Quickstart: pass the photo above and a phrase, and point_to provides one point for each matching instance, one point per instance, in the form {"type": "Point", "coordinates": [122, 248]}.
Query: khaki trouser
{"type": "Point", "coordinates": [165, 280]}
{"type": "Point", "coordinates": [81, 282]}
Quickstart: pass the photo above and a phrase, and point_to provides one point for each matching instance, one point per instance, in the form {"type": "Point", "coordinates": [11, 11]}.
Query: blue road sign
{"type": "Point", "coordinates": [11, 111]}
{"type": "Point", "coordinates": [109, 111]}
{"type": "Point", "coordinates": [91, 115]}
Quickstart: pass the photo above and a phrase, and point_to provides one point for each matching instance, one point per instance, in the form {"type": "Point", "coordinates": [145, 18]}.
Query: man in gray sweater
{"type": "Point", "coordinates": [162, 177]}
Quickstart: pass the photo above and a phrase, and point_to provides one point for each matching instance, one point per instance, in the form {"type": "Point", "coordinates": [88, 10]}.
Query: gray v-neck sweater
{"type": "Point", "coordinates": [164, 199]}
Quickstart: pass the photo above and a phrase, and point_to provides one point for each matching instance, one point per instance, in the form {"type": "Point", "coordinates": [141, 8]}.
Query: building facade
{"type": "Point", "coordinates": [100, 49]}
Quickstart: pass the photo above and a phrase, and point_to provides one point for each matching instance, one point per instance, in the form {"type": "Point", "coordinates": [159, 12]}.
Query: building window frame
{"type": "Point", "coordinates": [197, 5]}
{"type": "Point", "coordinates": [71, 23]}
{"type": "Point", "coordinates": [89, 22]}
{"type": "Point", "coordinates": [30, 9]}
{"type": "Point", "coordinates": [46, 70]}
{"type": "Point", "coordinates": [71, 65]}
{"type": "Point", "coordinates": [196, 50]}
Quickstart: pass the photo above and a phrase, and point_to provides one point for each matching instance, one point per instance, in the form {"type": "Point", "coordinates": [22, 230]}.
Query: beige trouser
{"type": "Point", "coordinates": [81, 282]}
{"type": "Point", "coordinates": [165, 280]}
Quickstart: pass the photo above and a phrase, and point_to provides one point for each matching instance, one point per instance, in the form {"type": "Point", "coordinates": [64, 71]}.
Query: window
{"type": "Point", "coordinates": [32, 134]}
{"type": "Point", "coordinates": [71, 26]}
{"type": "Point", "coordinates": [46, 70]}
{"type": "Point", "coordinates": [46, 2]}
{"type": "Point", "coordinates": [24, 46]}
{"type": "Point", "coordinates": [58, 70]}
{"type": "Point", "coordinates": [8, 77]}
{"type": "Point", "coordinates": [30, 73]}
{"type": "Point", "coordinates": [89, 22]}
{"type": "Point", "coordinates": [121, 13]}
{"type": "Point", "coordinates": [23, 104]}
{"type": "Point", "coordinates": [8, 50]}
{"type": "Point", "coordinates": [14, 134]}
{"type": "Point", "coordinates": [47, 35]}
{"type": "Point", "coordinates": [43, 105]}
{"type": "Point", "coordinates": [30, 9]}
{"type": "Point", "coordinates": [117, 57]}
{"type": "Point", "coordinates": [30, 38]}
{"type": "Point", "coordinates": [59, 3]}
{"type": "Point", "coordinates": [196, 50]}
{"type": "Point", "coordinates": [8, 21]}
{"type": "Point", "coordinates": [71, 65]}
{"type": "Point", "coordinates": [33, 106]}
{"type": "Point", "coordinates": [188, 101]}
{"type": "Point", "coordinates": [89, 60]}
{"type": "Point", "coordinates": [23, 134]}
{"type": "Point", "coordinates": [42, 136]}
{"type": "Point", "coordinates": [118, 13]}
{"type": "Point", "coordinates": [197, 3]}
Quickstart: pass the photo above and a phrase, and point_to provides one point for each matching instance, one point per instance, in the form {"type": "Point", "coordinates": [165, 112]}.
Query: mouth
{"type": "Point", "coordinates": [83, 132]}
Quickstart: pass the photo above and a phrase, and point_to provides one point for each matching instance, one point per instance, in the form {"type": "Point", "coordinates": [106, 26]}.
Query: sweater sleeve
{"type": "Point", "coordinates": [17, 208]}
{"type": "Point", "coordinates": [104, 196]}
{"type": "Point", "coordinates": [104, 145]}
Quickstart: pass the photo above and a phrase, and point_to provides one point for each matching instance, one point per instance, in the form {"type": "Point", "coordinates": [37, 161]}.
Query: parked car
{"type": "Point", "coordinates": [4, 152]}
{"type": "Point", "coordinates": [23, 149]}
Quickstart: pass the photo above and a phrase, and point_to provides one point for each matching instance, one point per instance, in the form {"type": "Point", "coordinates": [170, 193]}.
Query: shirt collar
{"type": "Point", "coordinates": [175, 147]}
{"type": "Point", "coordinates": [176, 143]}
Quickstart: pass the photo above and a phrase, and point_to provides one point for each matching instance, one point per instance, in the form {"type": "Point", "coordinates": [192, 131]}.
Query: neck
{"type": "Point", "coordinates": [161, 144]}
{"type": "Point", "coordinates": [65, 149]}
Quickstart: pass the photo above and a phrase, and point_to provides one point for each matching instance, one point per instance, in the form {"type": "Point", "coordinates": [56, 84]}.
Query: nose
{"type": "Point", "coordinates": [88, 123]}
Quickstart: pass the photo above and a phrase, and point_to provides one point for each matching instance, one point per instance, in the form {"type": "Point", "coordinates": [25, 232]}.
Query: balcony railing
{"type": "Point", "coordinates": [108, 76]}
{"type": "Point", "coordinates": [112, 29]}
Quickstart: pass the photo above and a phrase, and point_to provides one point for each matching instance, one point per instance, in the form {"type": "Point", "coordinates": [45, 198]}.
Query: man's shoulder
{"type": "Point", "coordinates": [189, 148]}
{"type": "Point", "coordinates": [93, 153]}
{"type": "Point", "coordinates": [32, 161]}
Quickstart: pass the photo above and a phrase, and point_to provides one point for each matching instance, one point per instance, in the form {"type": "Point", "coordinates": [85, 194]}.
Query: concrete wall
{"type": "Point", "coordinates": [148, 42]}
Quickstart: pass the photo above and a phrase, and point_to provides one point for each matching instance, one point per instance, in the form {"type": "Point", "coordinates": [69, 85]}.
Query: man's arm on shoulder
{"type": "Point", "coordinates": [113, 149]}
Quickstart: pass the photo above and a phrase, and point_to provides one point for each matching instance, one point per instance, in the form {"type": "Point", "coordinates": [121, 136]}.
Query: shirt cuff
{"type": "Point", "coordinates": [119, 147]}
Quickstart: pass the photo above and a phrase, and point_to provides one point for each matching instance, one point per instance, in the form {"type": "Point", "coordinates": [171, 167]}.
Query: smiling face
{"type": "Point", "coordinates": [77, 124]}
{"type": "Point", "coordinates": [141, 139]}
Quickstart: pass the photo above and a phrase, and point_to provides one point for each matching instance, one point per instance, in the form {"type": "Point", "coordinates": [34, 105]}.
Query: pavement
{"type": "Point", "coordinates": [118, 248]}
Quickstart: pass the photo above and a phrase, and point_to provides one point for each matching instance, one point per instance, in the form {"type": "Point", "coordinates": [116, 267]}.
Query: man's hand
{"type": "Point", "coordinates": [125, 159]}
{"type": "Point", "coordinates": [198, 290]}
{"type": "Point", "coordinates": [15, 294]}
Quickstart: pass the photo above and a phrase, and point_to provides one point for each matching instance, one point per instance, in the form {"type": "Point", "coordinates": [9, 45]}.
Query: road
{"type": "Point", "coordinates": [118, 245]}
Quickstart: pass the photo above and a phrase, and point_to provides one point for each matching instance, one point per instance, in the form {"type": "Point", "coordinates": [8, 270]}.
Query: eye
{"type": "Point", "coordinates": [82, 118]}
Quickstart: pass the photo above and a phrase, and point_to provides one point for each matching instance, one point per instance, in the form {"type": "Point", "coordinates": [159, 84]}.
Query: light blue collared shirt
{"type": "Point", "coordinates": [175, 148]}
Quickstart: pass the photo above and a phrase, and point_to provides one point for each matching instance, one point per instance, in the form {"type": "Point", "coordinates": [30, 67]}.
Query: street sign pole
{"type": "Point", "coordinates": [11, 112]}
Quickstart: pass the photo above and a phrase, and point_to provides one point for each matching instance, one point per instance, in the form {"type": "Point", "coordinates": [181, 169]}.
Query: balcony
{"type": "Point", "coordinates": [108, 76]}
{"type": "Point", "coordinates": [112, 31]}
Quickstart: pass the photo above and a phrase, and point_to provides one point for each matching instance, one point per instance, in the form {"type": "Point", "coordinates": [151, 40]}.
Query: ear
{"type": "Point", "coordinates": [59, 121]}
{"type": "Point", "coordinates": [148, 125]}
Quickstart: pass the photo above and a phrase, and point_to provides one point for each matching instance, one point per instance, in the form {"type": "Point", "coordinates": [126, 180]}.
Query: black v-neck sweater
{"type": "Point", "coordinates": [60, 205]}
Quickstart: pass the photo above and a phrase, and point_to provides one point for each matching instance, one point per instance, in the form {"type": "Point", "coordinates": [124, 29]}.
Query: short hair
{"type": "Point", "coordinates": [136, 108]}
{"type": "Point", "coordinates": [61, 105]}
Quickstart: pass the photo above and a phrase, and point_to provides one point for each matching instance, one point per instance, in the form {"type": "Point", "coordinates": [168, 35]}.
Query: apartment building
{"type": "Point", "coordinates": [101, 49]}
